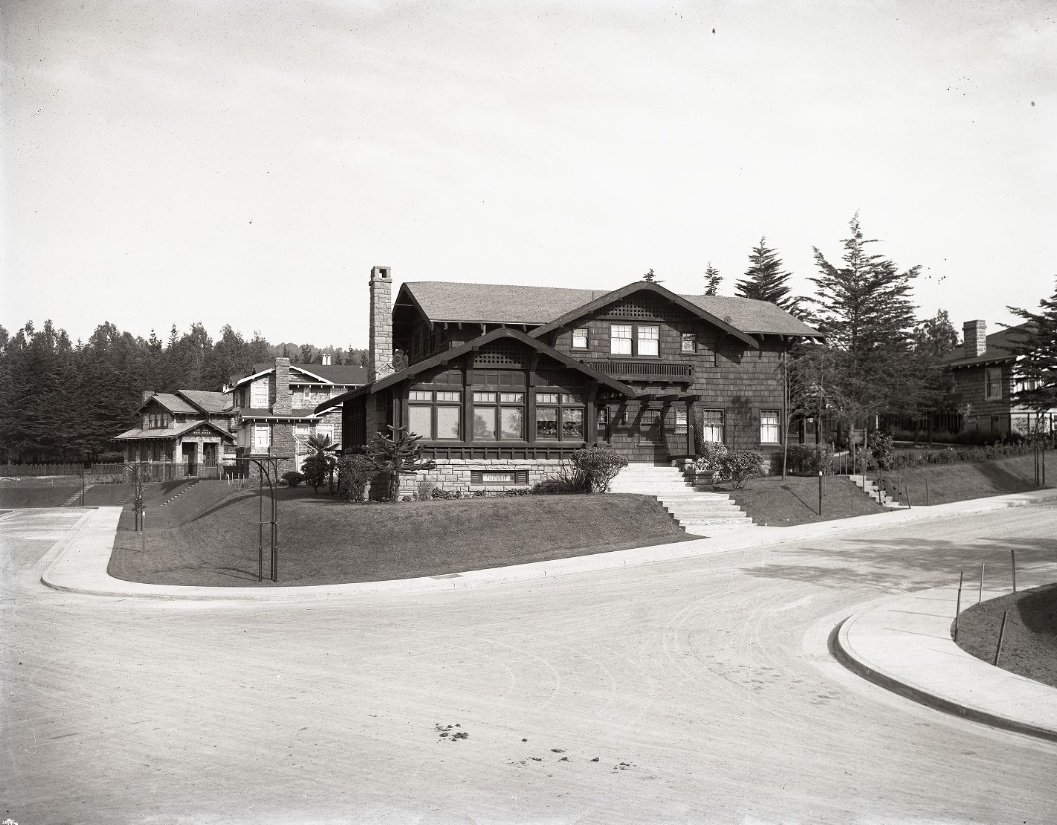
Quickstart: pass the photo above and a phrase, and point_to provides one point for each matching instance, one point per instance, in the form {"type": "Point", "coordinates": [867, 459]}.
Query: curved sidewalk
{"type": "Point", "coordinates": [902, 643]}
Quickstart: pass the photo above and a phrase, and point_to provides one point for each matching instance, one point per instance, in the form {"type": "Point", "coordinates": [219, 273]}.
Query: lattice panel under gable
{"type": "Point", "coordinates": [639, 307]}
{"type": "Point", "coordinates": [502, 354]}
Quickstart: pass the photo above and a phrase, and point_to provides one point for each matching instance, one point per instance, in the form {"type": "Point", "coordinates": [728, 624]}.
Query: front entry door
{"type": "Point", "coordinates": [651, 446]}
{"type": "Point", "coordinates": [190, 455]}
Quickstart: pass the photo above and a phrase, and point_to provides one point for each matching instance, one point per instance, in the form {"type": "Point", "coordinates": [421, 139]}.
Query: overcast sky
{"type": "Point", "coordinates": [247, 163]}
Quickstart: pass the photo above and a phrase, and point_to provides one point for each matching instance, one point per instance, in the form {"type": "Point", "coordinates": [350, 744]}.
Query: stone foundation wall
{"type": "Point", "coordinates": [454, 475]}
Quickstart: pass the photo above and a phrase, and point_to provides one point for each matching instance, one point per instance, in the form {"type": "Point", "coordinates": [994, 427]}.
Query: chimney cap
{"type": "Point", "coordinates": [382, 272]}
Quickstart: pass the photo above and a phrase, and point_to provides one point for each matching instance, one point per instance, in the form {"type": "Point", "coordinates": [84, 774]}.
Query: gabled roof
{"type": "Point", "coordinates": [645, 286]}
{"type": "Point", "coordinates": [551, 307]}
{"type": "Point", "coordinates": [174, 432]}
{"type": "Point", "coordinates": [345, 375]}
{"type": "Point", "coordinates": [753, 316]}
{"type": "Point", "coordinates": [471, 346]}
{"type": "Point", "coordinates": [207, 401]}
{"type": "Point", "coordinates": [492, 303]}
{"type": "Point", "coordinates": [172, 403]}
{"type": "Point", "coordinates": [1000, 347]}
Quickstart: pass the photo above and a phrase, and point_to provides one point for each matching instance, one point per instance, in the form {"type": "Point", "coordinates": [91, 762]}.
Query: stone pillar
{"type": "Point", "coordinates": [975, 336]}
{"type": "Point", "coordinates": [283, 401]}
{"type": "Point", "coordinates": [381, 329]}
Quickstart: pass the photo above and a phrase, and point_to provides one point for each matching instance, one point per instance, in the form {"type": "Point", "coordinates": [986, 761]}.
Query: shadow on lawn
{"type": "Point", "coordinates": [909, 564]}
{"type": "Point", "coordinates": [811, 509]}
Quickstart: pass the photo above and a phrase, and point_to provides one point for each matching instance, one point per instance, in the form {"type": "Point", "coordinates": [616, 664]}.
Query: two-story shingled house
{"type": "Point", "coordinates": [505, 382]}
{"type": "Point", "coordinates": [985, 379]}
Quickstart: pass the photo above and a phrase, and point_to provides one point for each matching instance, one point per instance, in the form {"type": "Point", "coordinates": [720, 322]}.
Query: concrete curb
{"type": "Point", "coordinates": [954, 682]}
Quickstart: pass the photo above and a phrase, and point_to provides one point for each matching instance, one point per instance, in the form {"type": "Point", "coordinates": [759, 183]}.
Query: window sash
{"type": "Point", "coordinates": [712, 426]}
{"type": "Point", "coordinates": [649, 339]}
{"type": "Point", "coordinates": [769, 429]}
{"type": "Point", "coordinates": [681, 426]}
{"type": "Point", "coordinates": [620, 339]}
{"type": "Point", "coordinates": [580, 338]}
{"type": "Point", "coordinates": [420, 420]}
{"type": "Point", "coordinates": [993, 383]}
{"type": "Point", "coordinates": [689, 342]}
{"type": "Point", "coordinates": [449, 420]}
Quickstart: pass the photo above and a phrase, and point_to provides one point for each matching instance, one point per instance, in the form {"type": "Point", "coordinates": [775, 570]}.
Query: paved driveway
{"type": "Point", "coordinates": [685, 691]}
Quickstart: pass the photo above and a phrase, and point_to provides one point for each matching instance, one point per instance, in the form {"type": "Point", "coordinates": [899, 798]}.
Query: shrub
{"type": "Point", "coordinates": [738, 466]}
{"type": "Point", "coordinates": [881, 450]}
{"type": "Point", "coordinates": [597, 465]}
{"type": "Point", "coordinates": [424, 490]}
{"type": "Point", "coordinates": [804, 459]}
{"type": "Point", "coordinates": [355, 472]}
{"type": "Point", "coordinates": [708, 464]}
{"type": "Point", "coordinates": [293, 478]}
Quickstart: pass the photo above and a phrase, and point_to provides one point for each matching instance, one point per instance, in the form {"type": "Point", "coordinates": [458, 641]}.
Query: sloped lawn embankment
{"type": "Point", "coordinates": [323, 541]}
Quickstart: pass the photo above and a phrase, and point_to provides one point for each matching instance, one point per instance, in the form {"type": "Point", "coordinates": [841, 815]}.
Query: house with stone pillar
{"type": "Point", "coordinates": [505, 382]}
{"type": "Point", "coordinates": [985, 374]}
{"type": "Point", "coordinates": [274, 408]}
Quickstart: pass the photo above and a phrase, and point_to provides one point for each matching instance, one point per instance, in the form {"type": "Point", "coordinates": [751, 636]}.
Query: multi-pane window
{"type": "Point", "coordinates": [993, 383]}
{"type": "Point", "coordinates": [559, 416]}
{"type": "Point", "coordinates": [681, 426]}
{"type": "Point", "coordinates": [769, 430]}
{"type": "Point", "coordinates": [434, 415]}
{"type": "Point", "coordinates": [499, 415]}
{"type": "Point", "coordinates": [712, 426]}
{"type": "Point", "coordinates": [157, 421]}
{"type": "Point", "coordinates": [262, 438]}
{"type": "Point", "coordinates": [649, 340]}
{"type": "Point", "coordinates": [635, 339]}
{"type": "Point", "coordinates": [259, 394]}
{"type": "Point", "coordinates": [580, 338]}
{"type": "Point", "coordinates": [620, 339]}
{"type": "Point", "coordinates": [689, 342]}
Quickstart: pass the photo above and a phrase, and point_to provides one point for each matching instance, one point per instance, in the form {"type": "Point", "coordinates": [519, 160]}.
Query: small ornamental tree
{"type": "Point", "coordinates": [598, 465]}
{"type": "Point", "coordinates": [319, 466]}
{"type": "Point", "coordinates": [397, 453]}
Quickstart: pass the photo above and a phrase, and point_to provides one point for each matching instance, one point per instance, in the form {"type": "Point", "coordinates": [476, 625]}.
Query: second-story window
{"type": "Point", "coordinates": [689, 342]}
{"type": "Point", "coordinates": [580, 338]}
{"type": "Point", "coordinates": [635, 339]}
{"type": "Point", "coordinates": [993, 384]}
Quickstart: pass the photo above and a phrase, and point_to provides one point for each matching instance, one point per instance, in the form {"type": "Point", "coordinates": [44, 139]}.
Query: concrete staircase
{"type": "Point", "coordinates": [865, 484]}
{"type": "Point", "coordinates": [696, 512]}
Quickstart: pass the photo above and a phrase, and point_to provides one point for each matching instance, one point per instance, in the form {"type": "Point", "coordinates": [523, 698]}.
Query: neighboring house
{"type": "Point", "coordinates": [191, 428]}
{"type": "Point", "coordinates": [266, 412]}
{"type": "Point", "coordinates": [985, 377]}
{"type": "Point", "coordinates": [275, 407]}
{"type": "Point", "coordinates": [505, 382]}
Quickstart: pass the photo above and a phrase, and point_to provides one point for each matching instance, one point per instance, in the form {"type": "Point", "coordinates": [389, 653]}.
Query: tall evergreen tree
{"type": "Point", "coordinates": [1036, 345]}
{"type": "Point", "coordinates": [864, 309]}
{"type": "Point", "coordinates": [765, 281]}
{"type": "Point", "coordinates": [712, 279]}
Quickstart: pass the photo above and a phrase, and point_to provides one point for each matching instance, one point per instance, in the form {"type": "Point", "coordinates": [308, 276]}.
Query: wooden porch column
{"type": "Point", "coordinates": [690, 424]}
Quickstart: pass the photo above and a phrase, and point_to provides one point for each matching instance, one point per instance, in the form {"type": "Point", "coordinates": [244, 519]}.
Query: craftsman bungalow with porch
{"type": "Point", "coordinates": [504, 382]}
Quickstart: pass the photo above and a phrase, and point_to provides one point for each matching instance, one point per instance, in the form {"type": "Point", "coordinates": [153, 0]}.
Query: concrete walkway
{"type": "Point", "coordinates": [903, 643]}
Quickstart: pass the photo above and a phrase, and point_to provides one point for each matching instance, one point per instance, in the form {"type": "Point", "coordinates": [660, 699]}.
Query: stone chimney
{"type": "Point", "coordinates": [147, 396]}
{"type": "Point", "coordinates": [974, 334]}
{"type": "Point", "coordinates": [283, 400]}
{"type": "Point", "coordinates": [381, 337]}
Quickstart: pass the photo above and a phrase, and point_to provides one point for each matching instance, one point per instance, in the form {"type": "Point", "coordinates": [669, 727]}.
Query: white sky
{"type": "Point", "coordinates": [247, 163]}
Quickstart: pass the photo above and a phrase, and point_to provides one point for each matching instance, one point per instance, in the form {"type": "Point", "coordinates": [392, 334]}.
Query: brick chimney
{"type": "Point", "coordinates": [381, 337]}
{"type": "Point", "coordinates": [974, 334]}
{"type": "Point", "coordinates": [283, 400]}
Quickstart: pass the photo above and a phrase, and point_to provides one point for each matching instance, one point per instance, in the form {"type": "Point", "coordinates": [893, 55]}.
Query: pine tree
{"type": "Point", "coordinates": [650, 278]}
{"type": "Point", "coordinates": [864, 310]}
{"type": "Point", "coordinates": [765, 281]}
{"type": "Point", "coordinates": [1035, 344]}
{"type": "Point", "coordinates": [712, 279]}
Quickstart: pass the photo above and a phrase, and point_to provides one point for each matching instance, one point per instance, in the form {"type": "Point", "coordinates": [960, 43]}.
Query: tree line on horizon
{"type": "Point", "coordinates": [62, 401]}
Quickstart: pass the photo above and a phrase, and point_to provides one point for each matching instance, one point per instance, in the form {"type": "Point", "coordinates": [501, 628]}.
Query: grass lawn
{"type": "Point", "coordinates": [777, 502]}
{"type": "Point", "coordinates": [1029, 645]}
{"type": "Point", "coordinates": [960, 482]}
{"type": "Point", "coordinates": [209, 536]}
